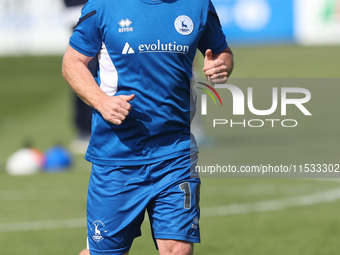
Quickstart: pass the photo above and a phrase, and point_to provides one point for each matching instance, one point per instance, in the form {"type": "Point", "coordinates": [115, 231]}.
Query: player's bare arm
{"type": "Point", "coordinates": [75, 71]}
{"type": "Point", "coordinates": [218, 67]}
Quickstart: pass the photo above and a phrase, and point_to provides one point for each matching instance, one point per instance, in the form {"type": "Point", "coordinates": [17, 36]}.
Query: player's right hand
{"type": "Point", "coordinates": [115, 109]}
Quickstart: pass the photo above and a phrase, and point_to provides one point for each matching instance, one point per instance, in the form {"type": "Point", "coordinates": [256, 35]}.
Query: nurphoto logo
{"type": "Point", "coordinates": [244, 102]}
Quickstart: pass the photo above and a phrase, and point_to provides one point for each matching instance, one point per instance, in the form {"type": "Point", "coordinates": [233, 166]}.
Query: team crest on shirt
{"type": "Point", "coordinates": [96, 230]}
{"type": "Point", "coordinates": [184, 25]}
{"type": "Point", "coordinates": [125, 26]}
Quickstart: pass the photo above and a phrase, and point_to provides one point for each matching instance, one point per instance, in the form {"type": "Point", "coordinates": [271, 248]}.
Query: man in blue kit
{"type": "Point", "coordinates": [82, 113]}
{"type": "Point", "coordinates": [141, 148]}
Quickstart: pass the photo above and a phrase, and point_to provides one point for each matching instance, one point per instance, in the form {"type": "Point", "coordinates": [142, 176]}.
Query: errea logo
{"type": "Point", "coordinates": [125, 26]}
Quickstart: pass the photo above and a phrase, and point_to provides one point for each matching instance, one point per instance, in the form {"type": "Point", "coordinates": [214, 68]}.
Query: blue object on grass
{"type": "Point", "coordinates": [57, 159]}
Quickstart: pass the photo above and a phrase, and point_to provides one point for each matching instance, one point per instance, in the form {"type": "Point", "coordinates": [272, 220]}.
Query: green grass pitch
{"type": "Point", "coordinates": [45, 213]}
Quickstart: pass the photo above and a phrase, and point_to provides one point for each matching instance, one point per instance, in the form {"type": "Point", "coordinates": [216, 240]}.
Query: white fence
{"type": "Point", "coordinates": [317, 21]}
{"type": "Point", "coordinates": [33, 27]}
{"type": "Point", "coordinates": [41, 27]}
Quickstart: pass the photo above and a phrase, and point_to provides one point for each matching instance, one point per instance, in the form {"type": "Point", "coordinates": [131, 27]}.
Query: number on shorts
{"type": "Point", "coordinates": [197, 195]}
{"type": "Point", "coordinates": [187, 194]}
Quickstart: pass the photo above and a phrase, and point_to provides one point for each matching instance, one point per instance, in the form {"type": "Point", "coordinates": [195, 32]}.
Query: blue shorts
{"type": "Point", "coordinates": [119, 196]}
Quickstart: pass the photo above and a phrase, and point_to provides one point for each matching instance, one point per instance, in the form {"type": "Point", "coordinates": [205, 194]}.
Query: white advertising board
{"type": "Point", "coordinates": [43, 26]}
{"type": "Point", "coordinates": [33, 27]}
{"type": "Point", "coordinates": [317, 21]}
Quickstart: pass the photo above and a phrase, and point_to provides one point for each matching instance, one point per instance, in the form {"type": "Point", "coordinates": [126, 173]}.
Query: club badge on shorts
{"type": "Point", "coordinates": [97, 229]}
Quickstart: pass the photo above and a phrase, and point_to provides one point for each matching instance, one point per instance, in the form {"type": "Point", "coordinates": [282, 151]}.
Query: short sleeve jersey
{"type": "Point", "coordinates": [146, 48]}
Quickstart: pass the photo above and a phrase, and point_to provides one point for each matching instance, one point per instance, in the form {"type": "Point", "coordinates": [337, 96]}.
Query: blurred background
{"type": "Point", "coordinates": [284, 42]}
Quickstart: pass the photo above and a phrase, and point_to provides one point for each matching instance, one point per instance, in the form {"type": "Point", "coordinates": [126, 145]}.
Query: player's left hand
{"type": "Point", "coordinates": [215, 69]}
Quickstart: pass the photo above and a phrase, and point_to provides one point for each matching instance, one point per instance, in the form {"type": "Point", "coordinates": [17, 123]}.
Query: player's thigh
{"type": "Point", "coordinates": [174, 211]}
{"type": "Point", "coordinates": [116, 204]}
{"type": "Point", "coordinates": [174, 247]}
{"type": "Point", "coordinates": [85, 252]}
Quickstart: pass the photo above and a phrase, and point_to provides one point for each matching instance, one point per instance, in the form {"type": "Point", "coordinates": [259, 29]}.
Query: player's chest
{"type": "Point", "coordinates": [173, 31]}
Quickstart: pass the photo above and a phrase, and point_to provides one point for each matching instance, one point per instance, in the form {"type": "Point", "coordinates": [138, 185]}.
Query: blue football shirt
{"type": "Point", "coordinates": [146, 48]}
